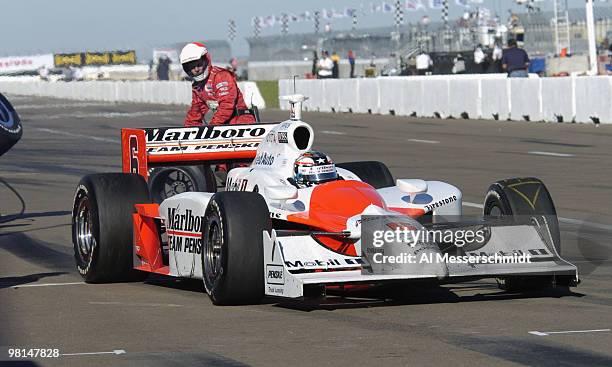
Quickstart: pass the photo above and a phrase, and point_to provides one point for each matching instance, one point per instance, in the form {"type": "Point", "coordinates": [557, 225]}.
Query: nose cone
{"type": "Point", "coordinates": [332, 203]}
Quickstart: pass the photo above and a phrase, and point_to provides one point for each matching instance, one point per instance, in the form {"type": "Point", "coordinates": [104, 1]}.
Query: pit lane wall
{"type": "Point", "coordinates": [486, 96]}
{"type": "Point", "coordinates": [159, 92]}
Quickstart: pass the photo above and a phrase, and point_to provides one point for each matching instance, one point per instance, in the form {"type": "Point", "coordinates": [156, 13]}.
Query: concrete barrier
{"type": "Point", "coordinates": [557, 99]}
{"type": "Point", "coordinates": [593, 99]}
{"type": "Point", "coordinates": [167, 92]}
{"type": "Point", "coordinates": [487, 96]}
{"type": "Point", "coordinates": [525, 99]}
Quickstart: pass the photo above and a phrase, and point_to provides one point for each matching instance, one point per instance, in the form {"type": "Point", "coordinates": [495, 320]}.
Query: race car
{"type": "Point", "coordinates": [290, 222]}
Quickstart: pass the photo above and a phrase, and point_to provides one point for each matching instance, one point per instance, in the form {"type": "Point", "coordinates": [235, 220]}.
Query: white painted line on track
{"type": "Point", "coordinates": [137, 304]}
{"type": "Point", "coordinates": [81, 136]}
{"type": "Point", "coordinates": [551, 154]}
{"type": "Point", "coordinates": [424, 141]}
{"type": "Point", "coordinates": [472, 205]}
{"type": "Point", "coordinates": [578, 222]}
{"type": "Point", "coordinates": [61, 105]}
{"type": "Point", "coordinates": [332, 132]}
{"type": "Point", "coordinates": [110, 115]}
{"type": "Point", "coordinates": [46, 285]}
{"type": "Point", "coordinates": [116, 352]}
{"type": "Point", "coordinates": [546, 333]}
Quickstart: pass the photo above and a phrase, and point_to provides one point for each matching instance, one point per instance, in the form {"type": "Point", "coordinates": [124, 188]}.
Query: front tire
{"type": "Point", "coordinates": [525, 196]}
{"type": "Point", "coordinates": [102, 226]}
{"type": "Point", "coordinates": [232, 253]}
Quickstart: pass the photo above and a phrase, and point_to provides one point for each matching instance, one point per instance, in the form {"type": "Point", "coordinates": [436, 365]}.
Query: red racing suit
{"type": "Point", "coordinates": [219, 88]}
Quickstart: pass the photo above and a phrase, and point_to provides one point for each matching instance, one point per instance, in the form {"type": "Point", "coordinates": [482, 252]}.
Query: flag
{"type": "Point", "coordinates": [436, 4]}
{"type": "Point", "coordinates": [414, 5]}
{"type": "Point", "coordinates": [386, 7]}
{"type": "Point", "coordinates": [269, 21]}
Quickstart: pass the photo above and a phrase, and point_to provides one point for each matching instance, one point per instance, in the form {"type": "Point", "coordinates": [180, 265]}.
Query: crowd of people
{"type": "Point", "coordinates": [328, 66]}
{"type": "Point", "coordinates": [510, 59]}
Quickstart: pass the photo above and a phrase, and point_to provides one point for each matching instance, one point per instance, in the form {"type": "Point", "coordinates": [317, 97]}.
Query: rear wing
{"type": "Point", "coordinates": [162, 146]}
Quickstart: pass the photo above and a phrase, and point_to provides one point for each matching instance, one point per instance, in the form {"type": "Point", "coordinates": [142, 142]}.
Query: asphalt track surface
{"type": "Point", "coordinates": [166, 322]}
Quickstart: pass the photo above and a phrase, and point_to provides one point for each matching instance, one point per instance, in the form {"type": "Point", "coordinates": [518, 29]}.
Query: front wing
{"type": "Point", "coordinates": [293, 263]}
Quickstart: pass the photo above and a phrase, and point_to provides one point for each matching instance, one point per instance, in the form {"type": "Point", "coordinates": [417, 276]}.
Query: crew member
{"type": "Point", "coordinates": [214, 88]}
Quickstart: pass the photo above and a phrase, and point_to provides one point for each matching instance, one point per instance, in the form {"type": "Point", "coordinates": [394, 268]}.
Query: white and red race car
{"type": "Point", "coordinates": [268, 235]}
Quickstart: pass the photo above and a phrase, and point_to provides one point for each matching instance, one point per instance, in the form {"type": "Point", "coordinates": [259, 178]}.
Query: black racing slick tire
{"type": "Point", "coordinates": [10, 125]}
{"type": "Point", "coordinates": [102, 229]}
{"type": "Point", "coordinates": [232, 251]}
{"type": "Point", "coordinates": [525, 196]}
{"type": "Point", "coordinates": [166, 182]}
{"type": "Point", "coordinates": [375, 174]}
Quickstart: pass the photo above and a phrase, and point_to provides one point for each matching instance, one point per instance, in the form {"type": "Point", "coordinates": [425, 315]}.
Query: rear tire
{"type": "Point", "coordinates": [10, 125]}
{"type": "Point", "coordinates": [166, 182]}
{"type": "Point", "coordinates": [375, 174]}
{"type": "Point", "coordinates": [102, 229]}
{"type": "Point", "coordinates": [525, 196]}
{"type": "Point", "coordinates": [232, 251]}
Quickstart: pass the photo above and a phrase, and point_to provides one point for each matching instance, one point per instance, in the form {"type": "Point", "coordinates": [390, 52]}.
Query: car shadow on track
{"type": "Point", "coordinates": [395, 296]}
{"type": "Point", "coordinates": [8, 282]}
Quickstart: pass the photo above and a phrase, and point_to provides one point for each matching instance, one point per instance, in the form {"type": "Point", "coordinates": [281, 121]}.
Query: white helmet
{"type": "Point", "coordinates": [194, 54]}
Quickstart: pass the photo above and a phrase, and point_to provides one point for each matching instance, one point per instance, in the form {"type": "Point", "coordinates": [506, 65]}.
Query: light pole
{"type": "Point", "coordinates": [591, 37]}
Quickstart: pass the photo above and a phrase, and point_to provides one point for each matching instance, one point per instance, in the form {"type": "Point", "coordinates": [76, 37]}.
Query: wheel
{"type": "Point", "coordinates": [169, 181]}
{"type": "Point", "coordinates": [373, 173]}
{"type": "Point", "coordinates": [102, 226]}
{"type": "Point", "coordinates": [524, 196]}
{"type": "Point", "coordinates": [232, 254]}
{"type": "Point", "coordinates": [10, 125]}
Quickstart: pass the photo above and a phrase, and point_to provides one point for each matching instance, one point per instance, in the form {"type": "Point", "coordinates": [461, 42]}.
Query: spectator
{"type": "Point", "coordinates": [336, 67]}
{"type": "Point", "coordinates": [515, 60]}
{"type": "Point", "coordinates": [325, 66]}
{"type": "Point", "coordinates": [351, 59]}
{"type": "Point", "coordinates": [498, 53]}
{"type": "Point", "coordinates": [43, 73]}
{"type": "Point", "coordinates": [163, 68]}
{"type": "Point", "coordinates": [459, 65]}
{"type": "Point", "coordinates": [424, 63]}
{"type": "Point", "coordinates": [315, 60]}
{"type": "Point", "coordinates": [479, 59]}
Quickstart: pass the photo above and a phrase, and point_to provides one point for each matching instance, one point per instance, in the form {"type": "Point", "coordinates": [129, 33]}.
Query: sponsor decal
{"type": "Point", "coordinates": [264, 159]}
{"type": "Point", "coordinates": [298, 264]}
{"type": "Point", "coordinates": [275, 274]}
{"type": "Point", "coordinates": [184, 231]}
{"type": "Point", "coordinates": [210, 132]}
{"type": "Point", "coordinates": [271, 137]}
{"type": "Point", "coordinates": [282, 137]}
{"type": "Point", "coordinates": [222, 84]}
{"type": "Point", "coordinates": [440, 203]}
{"type": "Point", "coordinates": [275, 290]}
{"type": "Point", "coordinates": [239, 184]}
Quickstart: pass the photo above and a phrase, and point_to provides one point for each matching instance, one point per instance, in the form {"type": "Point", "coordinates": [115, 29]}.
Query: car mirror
{"type": "Point", "coordinates": [412, 186]}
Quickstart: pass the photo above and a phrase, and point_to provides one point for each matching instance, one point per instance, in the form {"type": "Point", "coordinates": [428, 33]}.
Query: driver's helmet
{"type": "Point", "coordinates": [314, 167]}
{"type": "Point", "coordinates": [196, 54]}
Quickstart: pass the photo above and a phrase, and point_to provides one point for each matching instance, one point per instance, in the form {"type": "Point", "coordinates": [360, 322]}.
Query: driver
{"type": "Point", "coordinates": [313, 168]}
{"type": "Point", "coordinates": [213, 88]}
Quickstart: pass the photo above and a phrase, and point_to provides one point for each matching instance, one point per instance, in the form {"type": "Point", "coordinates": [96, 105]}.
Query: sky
{"type": "Point", "coordinates": [41, 26]}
